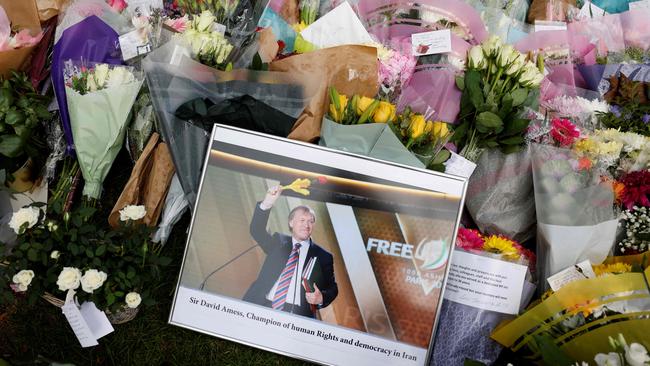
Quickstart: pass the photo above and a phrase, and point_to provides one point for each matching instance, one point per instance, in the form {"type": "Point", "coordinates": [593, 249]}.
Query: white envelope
{"type": "Point", "coordinates": [339, 27]}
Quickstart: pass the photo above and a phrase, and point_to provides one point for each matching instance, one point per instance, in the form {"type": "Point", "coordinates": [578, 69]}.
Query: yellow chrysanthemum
{"type": "Point", "coordinates": [614, 268]}
{"type": "Point", "coordinates": [500, 245]}
{"type": "Point", "coordinates": [586, 146]}
{"type": "Point", "coordinates": [300, 186]}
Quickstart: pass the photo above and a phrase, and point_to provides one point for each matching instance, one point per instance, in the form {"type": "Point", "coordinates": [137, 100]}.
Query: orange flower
{"type": "Point", "coordinates": [585, 308]}
{"type": "Point", "coordinates": [584, 163]}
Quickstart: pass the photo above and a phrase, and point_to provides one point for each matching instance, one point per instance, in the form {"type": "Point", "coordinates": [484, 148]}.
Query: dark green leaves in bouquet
{"type": "Point", "coordinates": [473, 85]}
{"type": "Point", "coordinates": [515, 126]}
{"type": "Point", "coordinates": [10, 145]}
{"type": "Point", "coordinates": [488, 122]}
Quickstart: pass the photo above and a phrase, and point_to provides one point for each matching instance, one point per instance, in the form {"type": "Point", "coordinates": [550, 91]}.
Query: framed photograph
{"type": "Point", "coordinates": [317, 254]}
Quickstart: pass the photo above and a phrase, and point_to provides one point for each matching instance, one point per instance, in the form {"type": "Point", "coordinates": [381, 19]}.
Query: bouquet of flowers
{"type": "Point", "coordinates": [208, 47]}
{"type": "Point", "coordinates": [56, 253]}
{"type": "Point", "coordinates": [576, 320]}
{"type": "Point", "coordinates": [498, 86]}
{"type": "Point", "coordinates": [99, 137]}
{"type": "Point", "coordinates": [472, 325]}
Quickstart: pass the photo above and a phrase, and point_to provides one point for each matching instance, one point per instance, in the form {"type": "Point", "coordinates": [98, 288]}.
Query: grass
{"type": "Point", "coordinates": [41, 334]}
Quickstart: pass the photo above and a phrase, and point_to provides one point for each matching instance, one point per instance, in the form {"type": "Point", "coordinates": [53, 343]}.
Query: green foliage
{"type": "Point", "coordinates": [629, 117]}
{"type": "Point", "coordinates": [126, 254]}
{"type": "Point", "coordinates": [21, 110]}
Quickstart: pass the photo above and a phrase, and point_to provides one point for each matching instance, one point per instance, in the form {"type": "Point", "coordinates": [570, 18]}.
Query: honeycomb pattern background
{"type": "Point", "coordinates": [410, 310]}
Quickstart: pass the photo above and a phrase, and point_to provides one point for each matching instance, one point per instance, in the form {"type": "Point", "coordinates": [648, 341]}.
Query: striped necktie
{"type": "Point", "coordinates": [280, 296]}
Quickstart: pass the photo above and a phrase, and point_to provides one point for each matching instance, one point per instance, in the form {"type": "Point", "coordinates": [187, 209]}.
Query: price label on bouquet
{"type": "Point", "coordinates": [431, 43]}
{"type": "Point", "coordinates": [134, 43]}
{"type": "Point", "coordinates": [485, 283]}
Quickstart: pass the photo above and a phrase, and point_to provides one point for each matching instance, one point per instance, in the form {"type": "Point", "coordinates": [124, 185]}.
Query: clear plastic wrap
{"type": "Point", "coordinates": [575, 211]}
{"type": "Point", "coordinates": [173, 79]}
{"type": "Point", "coordinates": [500, 194]}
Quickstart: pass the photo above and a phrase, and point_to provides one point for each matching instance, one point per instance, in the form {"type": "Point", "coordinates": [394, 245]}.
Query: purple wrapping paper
{"type": "Point", "coordinates": [90, 40]}
{"type": "Point", "coordinates": [592, 75]}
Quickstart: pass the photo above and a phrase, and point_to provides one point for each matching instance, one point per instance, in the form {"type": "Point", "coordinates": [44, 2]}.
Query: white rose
{"type": "Point", "coordinates": [610, 359]}
{"type": "Point", "coordinates": [476, 59]}
{"type": "Point", "coordinates": [132, 212]}
{"type": "Point", "coordinates": [119, 76]}
{"type": "Point", "coordinates": [516, 65]}
{"type": "Point", "coordinates": [23, 279]}
{"type": "Point", "coordinates": [492, 45]}
{"type": "Point", "coordinates": [24, 218]}
{"type": "Point", "coordinates": [133, 300]}
{"type": "Point", "coordinates": [636, 355]}
{"type": "Point", "coordinates": [506, 55]}
{"type": "Point", "coordinates": [55, 254]}
{"type": "Point", "coordinates": [203, 22]}
{"type": "Point", "coordinates": [531, 77]}
{"type": "Point", "coordinates": [69, 279]}
{"type": "Point", "coordinates": [101, 74]}
{"type": "Point", "coordinates": [91, 84]}
{"type": "Point", "coordinates": [92, 280]}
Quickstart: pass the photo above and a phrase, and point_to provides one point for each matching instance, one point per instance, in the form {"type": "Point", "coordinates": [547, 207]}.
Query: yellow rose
{"type": "Point", "coordinates": [363, 104]}
{"type": "Point", "coordinates": [428, 127]}
{"type": "Point", "coordinates": [416, 128]}
{"type": "Point", "coordinates": [440, 129]}
{"type": "Point", "coordinates": [384, 113]}
{"type": "Point", "coordinates": [338, 115]}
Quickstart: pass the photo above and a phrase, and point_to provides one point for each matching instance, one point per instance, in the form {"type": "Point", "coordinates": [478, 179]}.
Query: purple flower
{"type": "Point", "coordinates": [646, 118]}
{"type": "Point", "coordinates": [616, 110]}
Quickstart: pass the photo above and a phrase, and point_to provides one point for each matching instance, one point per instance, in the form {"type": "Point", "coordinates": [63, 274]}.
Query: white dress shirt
{"type": "Point", "coordinates": [293, 296]}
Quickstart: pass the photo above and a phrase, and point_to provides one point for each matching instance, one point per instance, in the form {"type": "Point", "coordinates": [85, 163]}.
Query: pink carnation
{"type": "Point", "coordinates": [469, 239]}
{"type": "Point", "coordinates": [564, 132]}
{"type": "Point", "coordinates": [178, 24]}
{"type": "Point", "coordinates": [637, 189]}
{"type": "Point", "coordinates": [397, 69]}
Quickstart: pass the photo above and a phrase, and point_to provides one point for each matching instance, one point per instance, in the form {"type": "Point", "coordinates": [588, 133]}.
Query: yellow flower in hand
{"type": "Point", "coordinates": [299, 185]}
{"type": "Point", "coordinates": [384, 113]}
{"type": "Point", "coordinates": [614, 268]}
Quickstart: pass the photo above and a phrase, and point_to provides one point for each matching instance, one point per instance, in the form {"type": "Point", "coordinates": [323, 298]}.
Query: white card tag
{"type": "Point", "coordinates": [96, 320]}
{"type": "Point", "coordinates": [590, 10]}
{"type": "Point", "coordinates": [134, 43]}
{"type": "Point", "coordinates": [577, 272]}
{"type": "Point", "coordinates": [485, 283]}
{"type": "Point", "coordinates": [431, 43]}
{"type": "Point", "coordinates": [77, 322]}
{"type": "Point", "coordinates": [458, 165]}
{"type": "Point", "coordinates": [549, 26]}
{"type": "Point", "coordinates": [218, 28]}
{"type": "Point", "coordinates": [643, 4]}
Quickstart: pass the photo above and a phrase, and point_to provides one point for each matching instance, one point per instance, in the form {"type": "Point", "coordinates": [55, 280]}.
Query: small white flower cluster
{"type": "Point", "coordinates": [499, 59]}
{"type": "Point", "coordinates": [207, 44]}
{"type": "Point", "coordinates": [635, 222]}
{"type": "Point", "coordinates": [634, 354]}
{"type": "Point", "coordinates": [103, 77]}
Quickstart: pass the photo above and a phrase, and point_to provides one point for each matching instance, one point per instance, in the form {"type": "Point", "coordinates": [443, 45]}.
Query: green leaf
{"type": "Point", "coordinates": [469, 362]}
{"type": "Point", "coordinates": [509, 149]}
{"type": "Point", "coordinates": [110, 299]}
{"type": "Point", "coordinates": [460, 82]}
{"type": "Point", "coordinates": [460, 132]}
{"type": "Point", "coordinates": [487, 122]}
{"type": "Point", "coordinates": [515, 140]}
{"type": "Point", "coordinates": [551, 353]}
{"type": "Point", "coordinates": [519, 96]}
{"type": "Point", "coordinates": [23, 246]}
{"type": "Point", "coordinates": [11, 146]}
{"type": "Point", "coordinates": [515, 126]}
{"type": "Point", "coordinates": [32, 255]}
{"type": "Point", "coordinates": [90, 253]}
{"type": "Point", "coordinates": [14, 117]}
{"type": "Point", "coordinates": [506, 106]}
{"type": "Point", "coordinates": [473, 85]}
{"type": "Point", "coordinates": [100, 250]}
{"type": "Point", "coordinates": [165, 261]}
{"type": "Point", "coordinates": [74, 248]}
{"type": "Point", "coordinates": [76, 220]}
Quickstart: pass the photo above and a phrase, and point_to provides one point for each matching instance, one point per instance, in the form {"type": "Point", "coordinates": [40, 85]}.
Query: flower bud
{"type": "Point", "coordinates": [506, 55]}
{"type": "Point", "coordinates": [416, 128]}
{"type": "Point", "coordinates": [476, 59]}
{"type": "Point", "coordinates": [384, 113]}
{"type": "Point", "coordinates": [363, 104]}
{"type": "Point", "coordinates": [55, 254]}
{"type": "Point", "coordinates": [491, 46]}
{"type": "Point", "coordinates": [440, 129]}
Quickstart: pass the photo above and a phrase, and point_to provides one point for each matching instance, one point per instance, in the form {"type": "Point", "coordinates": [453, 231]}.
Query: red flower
{"type": "Point", "coordinates": [322, 180]}
{"type": "Point", "coordinates": [564, 132]}
{"type": "Point", "coordinates": [637, 189]}
{"type": "Point", "coordinates": [469, 239]}
{"type": "Point", "coordinates": [528, 254]}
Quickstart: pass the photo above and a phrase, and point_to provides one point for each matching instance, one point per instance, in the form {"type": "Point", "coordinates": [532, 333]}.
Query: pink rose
{"type": "Point", "coordinates": [117, 5]}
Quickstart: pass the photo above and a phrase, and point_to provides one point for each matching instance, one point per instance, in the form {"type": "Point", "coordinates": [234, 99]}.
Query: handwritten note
{"type": "Point", "coordinates": [79, 325]}
{"type": "Point", "coordinates": [134, 43]}
{"type": "Point", "coordinates": [485, 283]}
{"type": "Point", "coordinates": [430, 43]}
{"type": "Point", "coordinates": [576, 272]}
{"type": "Point", "coordinates": [458, 165]}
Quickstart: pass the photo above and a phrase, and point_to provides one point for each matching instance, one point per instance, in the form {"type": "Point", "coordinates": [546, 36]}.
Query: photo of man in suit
{"type": "Point", "coordinates": [279, 284]}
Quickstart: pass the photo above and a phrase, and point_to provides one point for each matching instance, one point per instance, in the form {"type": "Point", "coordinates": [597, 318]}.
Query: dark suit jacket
{"type": "Point", "coordinates": [277, 248]}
